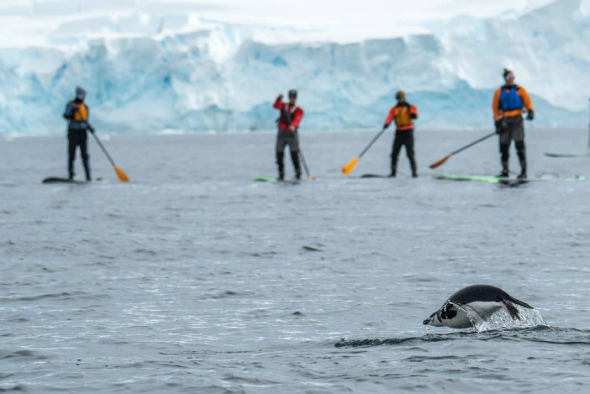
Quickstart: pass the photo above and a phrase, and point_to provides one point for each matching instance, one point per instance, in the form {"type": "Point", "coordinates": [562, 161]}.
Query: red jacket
{"type": "Point", "coordinates": [295, 112]}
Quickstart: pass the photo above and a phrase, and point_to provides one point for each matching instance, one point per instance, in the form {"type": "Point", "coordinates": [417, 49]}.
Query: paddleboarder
{"type": "Point", "coordinates": [76, 114]}
{"type": "Point", "coordinates": [404, 115]}
{"type": "Point", "coordinates": [288, 124]}
{"type": "Point", "coordinates": [509, 103]}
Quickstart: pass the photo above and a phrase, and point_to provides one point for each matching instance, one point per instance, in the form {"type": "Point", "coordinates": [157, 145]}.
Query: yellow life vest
{"type": "Point", "coordinates": [402, 117]}
{"type": "Point", "coordinates": [82, 114]}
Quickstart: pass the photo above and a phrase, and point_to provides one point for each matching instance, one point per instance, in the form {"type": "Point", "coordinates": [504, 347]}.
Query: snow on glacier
{"type": "Point", "coordinates": [150, 67]}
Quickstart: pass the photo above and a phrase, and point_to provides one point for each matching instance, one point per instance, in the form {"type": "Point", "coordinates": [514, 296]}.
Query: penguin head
{"type": "Point", "coordinates": [442, 317]}
{"type": "Point", "coordinates": [434, 320]}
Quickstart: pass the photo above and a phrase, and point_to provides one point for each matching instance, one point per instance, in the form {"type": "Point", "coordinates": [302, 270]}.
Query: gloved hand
{"type": "Point", "coordinates": [501, 126]}
{"type": "Point", "coordinates": [91, 129]}
{"type": "Point", "coordinates": [386, 126]}
{"type": "Point", "coordinates": [280, 97]}
{"type": "Point", "coordinates": [530, 115]}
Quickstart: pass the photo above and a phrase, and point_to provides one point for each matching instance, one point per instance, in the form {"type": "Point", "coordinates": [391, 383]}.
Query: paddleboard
{"type": "Point", "coordinates": [549, 154]}
{"type": "Point", "coordinates": [274, 180]}
{"type": "Point", "coordinates": [374, 176]}
{"type": "Point", "coordinates": [66, 180]}
{"type": "Point", "coordinates": [495, 179]}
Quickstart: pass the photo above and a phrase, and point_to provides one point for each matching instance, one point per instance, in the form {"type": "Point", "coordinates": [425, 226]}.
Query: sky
{"type": "Point", "coordinates": [26, 22]}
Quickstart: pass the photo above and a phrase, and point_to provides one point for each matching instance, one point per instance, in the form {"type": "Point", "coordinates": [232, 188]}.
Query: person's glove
{"type": "Point", "coordinates": [280, 97]}
{"type": "Point", "coordinates": [91, 129]}
{"type": "Point", "coordinates": [386, 126]}
{"type": "Point", "coordinates": [501, 126]}
{"type": "Point", "coordinates": [530, 115]}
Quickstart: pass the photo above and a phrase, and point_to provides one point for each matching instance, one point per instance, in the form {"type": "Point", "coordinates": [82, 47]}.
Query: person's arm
{"type": "Point", "coordinates": [528, 103]}
{"type": "Point", "coordinates": [496, 105]}
{"type": "Point", "coordinates": [279, 103]}
{"type": "Point", "coordinates": [413, 112]}
{"type": "Point", "coordinates": [297, 116]}
{"type": "Point", "coordinates": [389, 118]}
{"type": "Point", "coordinates": [69, 113]}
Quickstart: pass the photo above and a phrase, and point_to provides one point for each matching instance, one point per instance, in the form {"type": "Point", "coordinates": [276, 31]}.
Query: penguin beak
{"type": "Point", "coordinates": [429, 320]}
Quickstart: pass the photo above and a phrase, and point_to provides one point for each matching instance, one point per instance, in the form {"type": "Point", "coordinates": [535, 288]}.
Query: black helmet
{"type": "Point", "coordinates": [293, 93]}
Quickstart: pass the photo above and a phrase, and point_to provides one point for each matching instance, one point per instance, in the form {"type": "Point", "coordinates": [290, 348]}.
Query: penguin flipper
{"type": "Point", "coordinates": [519, 302]}
{"type": "Point", "coordinates": [511, 309]}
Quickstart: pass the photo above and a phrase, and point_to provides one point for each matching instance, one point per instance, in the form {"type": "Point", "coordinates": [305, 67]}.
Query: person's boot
{"type": "Point", "coordinates": [87, 170]}
{"type": "Point", "coordinates": [71, 174]}
{"type": "Point", "coordinates": [414, 170]}
{"type": "Point", "coordinates": [296, 164]}
{"type": "Point", "coordinates": [281, 165]}
{"type": "Point", "coordinates": [522, 158]}
{"type": "Point", "coordinates": [505, 173]}
{"type": "Point", "coordinates": [393, 171]}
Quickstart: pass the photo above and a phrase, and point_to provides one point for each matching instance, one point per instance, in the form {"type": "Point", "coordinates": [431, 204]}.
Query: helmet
{"type": "Point", "coordinates": [80, 93]}
{"type": "Point", "coordinates": [293, 93]}
{"type": "Point", "coordinates": [400, 95]}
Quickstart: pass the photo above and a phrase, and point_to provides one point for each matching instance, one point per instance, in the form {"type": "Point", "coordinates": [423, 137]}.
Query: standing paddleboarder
{"type": "Point", "coordinates": [403, 114]}
{"type": "Point", "coordinates": [288, 123]}
{"type": "Point", "coordinates": [77, 115]}
{"type": "Point", "coordinates": [509, 103]}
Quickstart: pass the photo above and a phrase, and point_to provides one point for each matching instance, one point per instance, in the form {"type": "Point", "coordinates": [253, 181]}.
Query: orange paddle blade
{"type": "Point", "coordinates": [349, 167]}
{"type": "Point", "coordinates": [440, 162]}
{"type": "Point", "coordinates": [121, 175]}
{"type": "Point", "coordinates": [309, 178]}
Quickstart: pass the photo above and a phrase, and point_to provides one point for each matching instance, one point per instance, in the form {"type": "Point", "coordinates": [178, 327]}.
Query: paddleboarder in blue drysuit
{"type": "Point", "coordinates": [509, 103]}
{"type": "Point", "coordinates": [77, 114]}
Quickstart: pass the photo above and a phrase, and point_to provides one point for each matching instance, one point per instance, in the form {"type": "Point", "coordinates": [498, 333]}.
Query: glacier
{"type": "Point", "coordinates": [169, 69]}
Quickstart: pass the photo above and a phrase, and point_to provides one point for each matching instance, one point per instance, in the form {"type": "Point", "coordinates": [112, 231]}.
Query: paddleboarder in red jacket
{"type": "Point", "coordinates": [288, 124]}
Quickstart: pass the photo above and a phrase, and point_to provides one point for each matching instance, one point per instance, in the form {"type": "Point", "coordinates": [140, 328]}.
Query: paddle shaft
{"type": "Point", "coordinates": [589, 132]}
{"type": "Point", "coordinates": [303, 160]}
{"type": "Point", "coordinates": [372, 142]}
{"type": "Point", "coordinates": [473, 143]}
{"type": "Point", "coordinates": [104, 150]}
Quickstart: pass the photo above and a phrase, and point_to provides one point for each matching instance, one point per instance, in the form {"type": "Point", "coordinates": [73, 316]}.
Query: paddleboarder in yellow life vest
{"type": "Point", "coordinates": [403, 114]}
{"type": "Point", "coordinates": [77, 115]}
{"type": "Point", "coordinates": [509, 103]}
{"type": "Point", "coordinates": [288, 124]}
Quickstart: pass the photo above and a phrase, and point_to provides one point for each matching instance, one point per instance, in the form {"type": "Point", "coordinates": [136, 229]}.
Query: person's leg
{"type": "Point", "coordinates": [518, 135]}
{"type": "Point", "coordinates": [505, 139]}
{"type": "Point", "coordinates": [294, 148]}
{"type": "Point", "coordinates": [397, 146]}
{"type": "Point", "coordinates": [85, 157]}
{"type": "Point", "coordinates": [280, 154]}
{"type": "Point", "coordinates": [71, 154]}
{"type": "Point", "coordinates": [409, 142]}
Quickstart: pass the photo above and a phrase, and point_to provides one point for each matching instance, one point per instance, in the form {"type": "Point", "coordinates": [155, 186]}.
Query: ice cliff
{"type": "Point", "coordinates": [182, 71]}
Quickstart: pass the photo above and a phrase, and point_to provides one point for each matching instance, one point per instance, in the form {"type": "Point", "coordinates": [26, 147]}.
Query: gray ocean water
{"type": "Point", "coordinates": [192, 278]}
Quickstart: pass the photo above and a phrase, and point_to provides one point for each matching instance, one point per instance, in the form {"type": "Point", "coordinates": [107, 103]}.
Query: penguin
{"type": "Point", "coordinates": [483, 300]}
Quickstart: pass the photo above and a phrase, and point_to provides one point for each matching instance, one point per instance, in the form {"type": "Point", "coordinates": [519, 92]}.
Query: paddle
{"type": "Point", "coordinates": [309, 177]}
{"type": "Point", "coordinates": [349, 167]}
{"type": "Point", "coordinates": [447, 157]}
{"type": "Point", "coordinates": [120, 174]}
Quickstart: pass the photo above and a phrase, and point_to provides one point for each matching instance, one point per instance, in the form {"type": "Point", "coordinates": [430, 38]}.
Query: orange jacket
{"type": "Point", "coordinates": [522, 93]}
{"type": "Point", "coordinates": [403, 115]}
